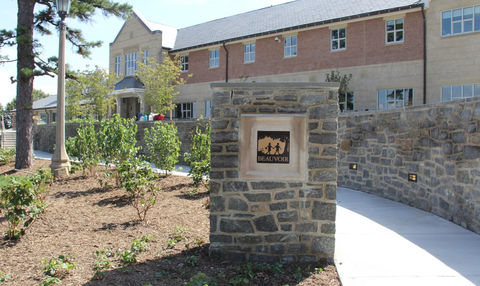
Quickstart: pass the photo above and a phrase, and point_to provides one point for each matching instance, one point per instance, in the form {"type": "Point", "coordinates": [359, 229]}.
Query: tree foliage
{"type": "Point", "coordinates": [344, 80]}
{"type": "Point", "coordinates": [39, 94]}
{"type": "Point", "coordinates": [41, 17]}
{"type": "Point", "coordinates": [160, 81]}
{"type": "Point", "coordinates": [91, 93]}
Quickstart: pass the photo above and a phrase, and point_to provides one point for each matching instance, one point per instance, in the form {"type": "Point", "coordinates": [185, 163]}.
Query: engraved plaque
{"type": "Point", "coordinates": [273, 147]}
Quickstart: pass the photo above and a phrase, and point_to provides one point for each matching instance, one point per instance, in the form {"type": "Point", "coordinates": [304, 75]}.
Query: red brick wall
{"type": "Point", "coordinates": [365, 46]}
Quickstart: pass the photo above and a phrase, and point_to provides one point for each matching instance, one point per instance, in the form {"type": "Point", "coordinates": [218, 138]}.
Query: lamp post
{"type": "Point", "coordinates": [60, 163]}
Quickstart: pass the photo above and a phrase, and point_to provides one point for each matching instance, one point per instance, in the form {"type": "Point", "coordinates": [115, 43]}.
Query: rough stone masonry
{"type": "Point", "coordinates": [269, 218]}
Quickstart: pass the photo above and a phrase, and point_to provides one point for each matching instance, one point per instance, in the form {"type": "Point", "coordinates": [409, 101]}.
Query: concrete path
{"type": "Point", "coordinates": [180, 170]}
{"type": "Point", "coordinates": [384, 243]}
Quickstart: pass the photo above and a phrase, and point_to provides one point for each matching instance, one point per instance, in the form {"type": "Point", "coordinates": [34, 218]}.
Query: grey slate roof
{"type": "Point", "coordinates": [278, 17]}
{"type": "Point", "coordinates": [44, 103]}
{"type": "Point", "coordinates": [128, 82]}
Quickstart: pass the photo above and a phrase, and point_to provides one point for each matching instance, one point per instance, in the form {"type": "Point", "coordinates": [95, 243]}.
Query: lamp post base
{"type": "Point", "coordinates": [60, 168]}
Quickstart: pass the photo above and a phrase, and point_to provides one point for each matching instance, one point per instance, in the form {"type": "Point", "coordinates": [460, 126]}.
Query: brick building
{"type": "Point", "coordinates": [399, 52]}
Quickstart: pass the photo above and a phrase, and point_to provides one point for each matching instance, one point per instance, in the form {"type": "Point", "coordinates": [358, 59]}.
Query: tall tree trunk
{"type": "Point", "coordinates": [25, 66]}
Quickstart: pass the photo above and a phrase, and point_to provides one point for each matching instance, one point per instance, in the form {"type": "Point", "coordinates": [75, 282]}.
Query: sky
{"type": "Point", "coordinates": [177, 13]}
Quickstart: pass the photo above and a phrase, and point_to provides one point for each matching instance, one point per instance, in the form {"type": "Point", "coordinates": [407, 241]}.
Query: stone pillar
{"type": "Point", "coordinates": [273, 175]}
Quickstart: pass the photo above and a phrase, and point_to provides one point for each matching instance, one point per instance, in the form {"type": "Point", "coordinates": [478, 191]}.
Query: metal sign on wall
{"type": "Point", "coordinates": [273, 147]}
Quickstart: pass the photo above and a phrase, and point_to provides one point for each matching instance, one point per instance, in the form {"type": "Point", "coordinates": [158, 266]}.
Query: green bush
{"type": "Point", "coordinates": [84, 148]}
{"type": "Point", "coordinates": [7, 156]}
{"type": "Point", "coordinates": [117, 142]}
{"type": "Point", "coordinates": [198, 159]}
{"type": "Point", "coordinates": [137, 178]}
{"type": "Point", "coordinates": [163, 146]}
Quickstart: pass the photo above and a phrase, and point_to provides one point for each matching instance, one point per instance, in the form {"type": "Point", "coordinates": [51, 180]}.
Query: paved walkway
{"type": "Point", "coordinates": [384, 243]}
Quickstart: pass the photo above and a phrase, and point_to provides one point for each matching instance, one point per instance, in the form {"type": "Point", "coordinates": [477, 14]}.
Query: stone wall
{"type": "Point", "coordinates": [44, 135]}
{"type": "Point", "coordinates": [440, 143]}
{"type": "Point", "coordinates": [269, 217]}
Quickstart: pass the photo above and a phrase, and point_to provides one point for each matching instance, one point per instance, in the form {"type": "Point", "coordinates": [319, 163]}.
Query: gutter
{"type": "Point", "coordinates": [220, 42]}
{"type": "Point", "coordinates": [226, 68]}
{"type": "Point", "coordinates": [424, 56]}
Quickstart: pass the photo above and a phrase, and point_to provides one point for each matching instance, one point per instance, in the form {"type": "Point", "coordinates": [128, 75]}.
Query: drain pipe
{"type": "Point", "coordinates": [424, 56]}
{"type": "Point", "coordinates": [226, 62]}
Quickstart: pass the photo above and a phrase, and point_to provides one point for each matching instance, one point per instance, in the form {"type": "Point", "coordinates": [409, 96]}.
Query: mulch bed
{"type": "Point", "coordinates": [82, 217]}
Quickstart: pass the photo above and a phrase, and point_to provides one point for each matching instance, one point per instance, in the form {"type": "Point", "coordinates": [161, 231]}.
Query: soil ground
{"type": "Point", "coordinates": [82, 218]}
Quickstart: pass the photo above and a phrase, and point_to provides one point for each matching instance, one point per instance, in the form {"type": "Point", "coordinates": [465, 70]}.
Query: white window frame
{"type": "Point", "coordinates": [387, 103]}
{"type": "Point", "coordinates": [337, 39]}
{"type": "Point", "coordinates": [187, 110]}
{"type": "Point", "coordinates": [449, 19]}
{"type": "Point", "coordinates": [452, 92]}
{"type": "Point", "coordinates": [118, 65]}
{"type": "Point", "coordinates": [131, 63]}
{"type": "Point", "coordinates": [290, 47]}
{"type": "Point", "coordinates": [348, 94]}
{"type": "Point", "coordinates": [249, 53]}
{"type": "Point", "coordinates": [146, 55]}
{"type": "Point", "coordinates": [184, 63]}
{"type": "Point", "coordinates": [395, 31]}
{"type": "Point", "coordinates": [214, 58]}
{"type": "Point", "coordinates": [208, 109]}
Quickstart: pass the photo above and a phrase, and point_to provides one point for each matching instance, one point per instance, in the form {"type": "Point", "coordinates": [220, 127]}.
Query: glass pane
{"type": "Point", "coordinates": [294, 51]}
{"type": "Point", "coordinates": [390, 37]}
{"type": "Point", "coordinates": [456, 91]}
{"type": "Point", "coordinates": [350, 100]}
{"type": "Point", "coordinates": [334, 45]}
{"type": "Point", "coordinates": [477, 18]}
{"type": "Point", "coordinates": [252, 57]}
{"type": "Point", "coordinates": [288, 41]}
{"type": "Point", "coordinates": [390, 25]}
{"type": "Point", "coordinates": [390, 94]}
{"type": "Point", "coordinates": [252, 47]}
{"type": "Point", "coordinates": [408, 97]}
{"type": "Point", "coordinates": [446, 23]}
{"type": "Point", "coordinates": [381, 99]}
{"type": "Point", "coordinates": [342, 106]}
{"type": "Point", "coordinates": [343, 33]}
{"type": "Point", "coordinates": [399, 36]}
{"type": "Point", "coordinates": [457, 28]}
{"type": "Point", "coordinates": [334, 34]}
{"type": "Point", "coordinates": [186, 67]}
{"type": "Point", "coordinates": [294, 41]}
{"type": "Point", "coordinates": [399, 104]}
{"type": "Point", "coordinates": [457, 15]}
{"type": "Point", "coordinates": [217, 62]}
{"type": "Point", "coordinates": [399, 24]}
{"type": "Point", "coordinates": [246, 58]}
{"type": "Point", "coordinates": [468, 13]}
{"type": "Point", "coordinates": [217, 53]}
{"type": "Point", "coordinates": [247, 49]}
{"type": "Point", "coordinates": [468, 26]}
{"type": "Point", "coordinates": [391, 105]}
{"type": "Point", "coordinates": [468, 90]}
{"type": "Point", "coordinates": [287, 52]}
{"type": "Point", "coordinates": [399, 94]}
{"type": "Point", "coordinates": [341, 98]}
{"type": "Point", "coordinates": [446, 93]}
{"type": "Point", "coordinates": [342, 44]}
{"type": "Point", "coordinates": [477, 90]}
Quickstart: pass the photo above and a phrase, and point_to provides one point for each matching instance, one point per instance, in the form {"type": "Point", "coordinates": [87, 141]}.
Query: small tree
{"type": "Point", "coordinates": [199, 157]}
{"type": "Point", "coordinates": [163, 146]}
{"type": "Point", "coordinates": [92, 92]}
{"type": "Point", "coordinates": [344, 80]}
{"type": "Point", "coordinates": [160, 81]}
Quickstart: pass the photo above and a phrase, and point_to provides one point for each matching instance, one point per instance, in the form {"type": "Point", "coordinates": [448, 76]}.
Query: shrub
{"type": "Point", "coordinates": [84, 147]}
{"type": "Point", "coordinates": [117, 142]}
{"type": "Point", "coordinates": [199, 157]}
{"type": "Point", "coordinates": [6, 156]}
{"type": "Point", "coordinates": [137, 178]}
{"type": "Point", "coordinates": [163, 146]}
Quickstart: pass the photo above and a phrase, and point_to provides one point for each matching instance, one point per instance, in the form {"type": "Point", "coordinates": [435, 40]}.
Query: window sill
{"type": "Point", "coordinates": [289, 57]}
{"type": "Point", "coordinates": [338, 50]}
{"type": "Point", "coordinates": [461, 34]}
{"type": "Point", "coordinates": [214, 68]}
{"type": "Point", "coordinates": [394, 43]}
{"type": "Point", "coordinates": [248, 63]}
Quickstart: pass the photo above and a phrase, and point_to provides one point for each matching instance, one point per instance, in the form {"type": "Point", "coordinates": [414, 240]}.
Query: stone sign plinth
{"type": "Point", "coordinates": [273, 178]}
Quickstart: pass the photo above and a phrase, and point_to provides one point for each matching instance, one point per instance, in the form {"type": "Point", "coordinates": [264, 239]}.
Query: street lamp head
{"type": "Point", "coordinates": [63, 6]}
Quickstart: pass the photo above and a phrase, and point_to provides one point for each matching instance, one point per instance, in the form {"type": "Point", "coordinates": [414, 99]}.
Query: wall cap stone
{"type": "Point", "coordinates": [275, 85]}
